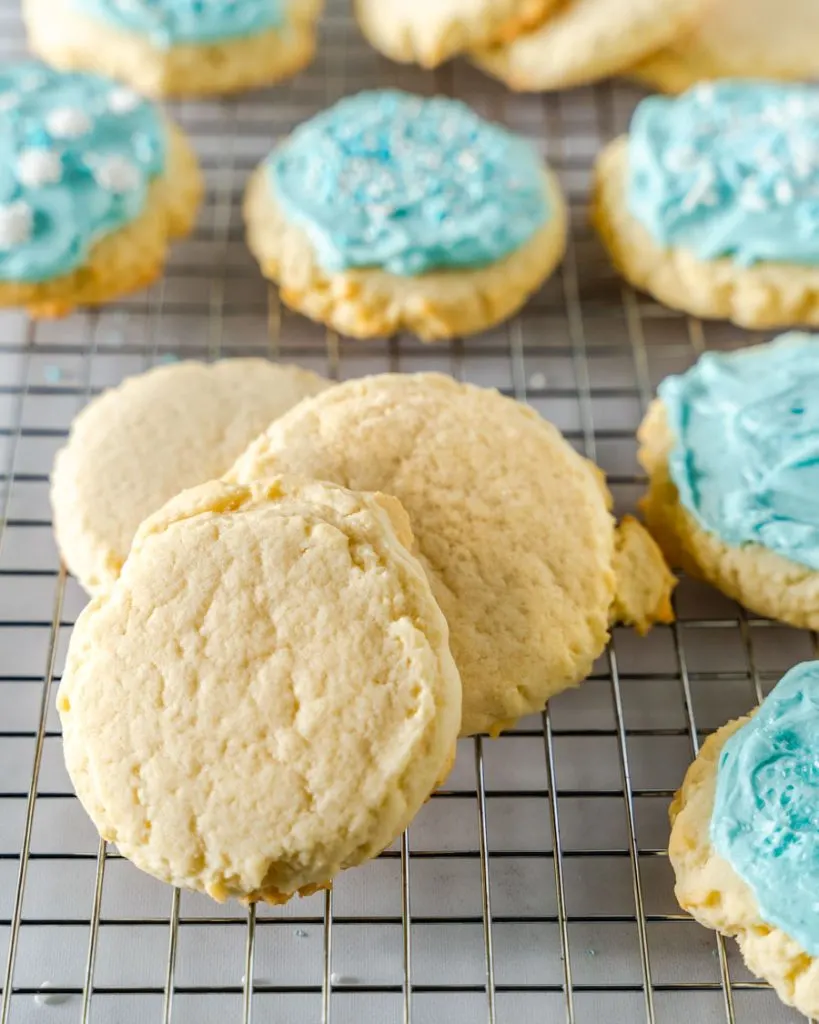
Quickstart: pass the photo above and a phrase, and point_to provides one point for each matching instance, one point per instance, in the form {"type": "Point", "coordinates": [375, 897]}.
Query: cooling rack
{"type": "Point", "coordinates": [536, 886]}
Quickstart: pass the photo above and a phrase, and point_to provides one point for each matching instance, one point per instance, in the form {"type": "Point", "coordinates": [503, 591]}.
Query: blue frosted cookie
{"type": "Point", "coordinates": [711, 203]}
{"type": "Point", "coordinates": [177, 47]}
{"type": "Point", "coordinates": [393, 212]}
{"type": "Point", "coordinates": [94, 181]}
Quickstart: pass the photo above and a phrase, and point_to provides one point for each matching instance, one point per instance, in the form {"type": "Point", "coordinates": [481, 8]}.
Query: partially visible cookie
{"type": "Point", "coordinates": [389, 212]}
{"type": "Point", "coordinates": [511, 524]}
{"type": "Point", "coordinates": [175, 48]}
{"type": "Point", "coordinates": [137, 445]}
{"type": "Point", "coordinates": [266, 694]}
{"type": "Point", "coordinates": [731, 449]}
{"type": "Point", "coordinates": [428, 33]}
{"type": "Point", "coordinates": [739, 39]}
{"type": "Point", "coordinates": [585, 40]}
{"type": "Point", "coordinates": [708, 204]}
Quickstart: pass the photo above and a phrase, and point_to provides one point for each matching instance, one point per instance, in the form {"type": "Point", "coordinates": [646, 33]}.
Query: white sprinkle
{"type": "Point", "coordinates": [123, 101]}
{"type": "Point", "coordinates": [68, 123]}
{"type": "Point", "coordinates": [46, 998]}
{"type": "Point", "coordinates": [783, 190]}
{"type": "Point", "coordinates": [537, 381]}
{"type": "Point", "coordinates": [16, 222]}
{"type": "Point", "coordinates": [795, 106]}
{"type": "Point", "coordinates": [753, 201]}
{"type": "Point", "coordinates": [117, 174]}
{"type": "Point", "coordinates": [700, 193]}
{"type": "Point", "coordinates": [680, 158]}
{"type": "Point", "coordinates": [9, 100]}
{"type": "Point", "coordinates": [704, 92]}
{"type": "Point", "coordinates": [33, 80]}
{"type": "Point", "coordinates": [38, 167]}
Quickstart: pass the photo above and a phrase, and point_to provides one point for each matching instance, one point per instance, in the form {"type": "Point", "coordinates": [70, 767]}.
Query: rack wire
{"type": "Point", "coordinates": [536, 886]}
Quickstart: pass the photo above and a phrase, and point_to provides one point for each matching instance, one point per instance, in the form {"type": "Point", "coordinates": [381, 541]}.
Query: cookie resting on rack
{"type": "Point", "coordinates": [389, 212]}
{"type": "Point", "coordinates": [177, 47]}
{"type": "Point", "coordinates": [745, 843]}
{"type": "Point", "coordinates": [431, 31]}
{"type": "Point", "coordinates": [266, 694]}
{"type": "Point", "coordinates": [583, 41]}
{"type": "Point", "coordinates": [137, 445]}
{"type": "Point", "coordinates": [511, 524]}
{"type": "Point", "coordinates": [94, 183]}
{"type": "Point", "coordinates": [710, 204]}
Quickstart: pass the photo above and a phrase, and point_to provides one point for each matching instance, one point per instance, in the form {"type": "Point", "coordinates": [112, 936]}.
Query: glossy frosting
{"type": "Point", "coordinates": [729, 169]}
{"type": "Point", "coordinates": [385, 179]}
{"type": "Point", "coordinates": [746, 453]}
{"type": "Point", "coordinates": [765, 821]}
{"type": "Point", "coordinates": [171, 22]}
{"type": "Point", "coordinates": [77, 154]}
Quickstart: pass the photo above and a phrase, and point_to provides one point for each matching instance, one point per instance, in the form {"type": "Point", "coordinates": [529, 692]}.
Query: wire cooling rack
{"type": "Point", "coordinates": [535, 887]}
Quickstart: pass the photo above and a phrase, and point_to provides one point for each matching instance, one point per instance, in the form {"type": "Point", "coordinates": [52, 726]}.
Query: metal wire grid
{"type": "Point", "coordinates": [536, 886]}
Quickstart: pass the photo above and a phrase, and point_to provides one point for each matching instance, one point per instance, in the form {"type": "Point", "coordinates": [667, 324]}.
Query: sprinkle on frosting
{"type": "Point", "coordinates": [74, 166]}
{"type": "Point", "coordinates": [730, 169]}
{"type": "Point", "coordinates": [386, 179]}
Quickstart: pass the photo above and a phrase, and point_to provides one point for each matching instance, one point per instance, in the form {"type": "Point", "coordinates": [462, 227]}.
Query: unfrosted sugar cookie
{"type": "Point", "coordinates": [740, 38]}
{"type": "Point", "coordinates": [431, 31]}
{"type": "Point", "coordinates": [585, 40]}
{"type": "Point", "coordinates": [391, 212]}
{"type": "Point", "coordinates": [732, 452]}
{"type": "Point", "coordinates": [177, 47]}
{"type": "Point", "coordinates": [511, 524]}
{"type": "Point", "coordinates": [711, 203]}
{"type": "Point", "coordinates": [745, 838]}
{"type": "Point", "coordinates": [94, 182]}
{"type": "Point", "coordinates": [137, 445]}
{"type": "Point", "coordinates": [266, 694]}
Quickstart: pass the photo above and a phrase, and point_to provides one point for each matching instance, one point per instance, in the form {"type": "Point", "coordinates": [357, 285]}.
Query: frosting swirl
{"type": "Point", "coordinates": [745, 459]}
{"type": "Point", "coordinates": [385, 179]}
{"type": "Point", "coordinates": [729, 169]}
{"type": "Point", "coordinates": [765, 821]}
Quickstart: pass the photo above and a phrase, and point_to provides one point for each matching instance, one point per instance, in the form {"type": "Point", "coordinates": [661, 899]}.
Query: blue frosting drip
{"type": "Point", "coordinates": [765, 821]}
{"type": "Point", "coordinates": [746, 454]}
{"type": "Point", "coordinates": [77, 155]}
{"type": "Point", "coordinates": [729, 169]}
{"type": "Point", "coordinates": [385, 179]}
{"type": "Point", "coordinates": [171, 22]}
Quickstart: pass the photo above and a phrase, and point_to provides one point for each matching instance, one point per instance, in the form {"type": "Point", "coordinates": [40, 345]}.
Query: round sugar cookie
{"type": "Point", "coordinates": [511, 524]}
{"type": "Point", "coordinates": [390, 212]}
{"type": "Point", "coordinates": [266, 694]}
{"type": "Point", "coordinates": [95, 183]}
{"type": "Point", "coordinates": [731, 449]}
{"type": "Point", "coordinates": [174, 47]}
{"type": "Point", "coordinates": [585, 40]}
{"type": "Point", "coordinates": [739, 39]}
{"type": "Point", "coordinates": [708, 204]}
{"type": "Point", "coordinates": [428, 33]}
{"type": "Point", "coordinates": [743, 839]}
{"type": "Point", "coordinates": [137, 445]}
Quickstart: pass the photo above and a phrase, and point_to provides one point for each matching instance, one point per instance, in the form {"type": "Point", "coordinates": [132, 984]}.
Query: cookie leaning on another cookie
{"type": "Point", "coordinates": [390, 213]}
{"type": "Point", "coordinates": [266, 694]}
{"type": "Point", "coordinates": [177, 49]}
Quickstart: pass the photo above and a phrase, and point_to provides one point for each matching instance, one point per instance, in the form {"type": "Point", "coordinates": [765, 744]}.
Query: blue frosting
{"type": "Point", "coordinates": [171, 22]}
{"type": "Point", "coordinates": [77, 155]}
{"type": "Point", "coordinates": [746, 452]}
{"type": "Point", "coordinates": [385, 179]}
{"type": "Point", "coordinates": [765, 821]}
{"type": "Point", "coordinates": [729, 169]}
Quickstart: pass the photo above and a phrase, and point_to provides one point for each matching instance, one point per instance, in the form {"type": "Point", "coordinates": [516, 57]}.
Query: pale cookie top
{"type": "Point", "coordinates": [136, 446]}
{"type": "Point", "coordinates": [407, 184]}
{"type": "Point", "coordinates": [729, 169]}
{"type": "Point", "coordinates": [173, 22]}
{"type": "Point", "coordinates": [266, 695]}
{"type": "Point", "coordinates": [745, 460]}
{"type": "Point", "coordinates": [77, 155]}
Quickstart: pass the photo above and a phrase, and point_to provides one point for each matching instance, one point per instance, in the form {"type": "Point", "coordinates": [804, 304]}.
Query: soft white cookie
{"type": "Point", "coordinates": [137, 445]}
{"type": "Point", "coordinates": [511, 524]}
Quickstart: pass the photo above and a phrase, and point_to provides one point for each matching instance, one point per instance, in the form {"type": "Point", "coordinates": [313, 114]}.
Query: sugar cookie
{"type": "Point", "coordinates": [511, 524]}
{"type": "Point", "coordinates": [709, 202]}
{"type": "Point", "coordinates": [266, 694]}
{"type": "Point", "coordinates": [390, 213]}
{"type": "Point", "coordinates": [744, 842]}
{"type": "Point", "coordinates": [136, 446]}
{"type": "Point", "coordinates": [175, 47]}
{"type": "Point", "coordinates": [732, 452]}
